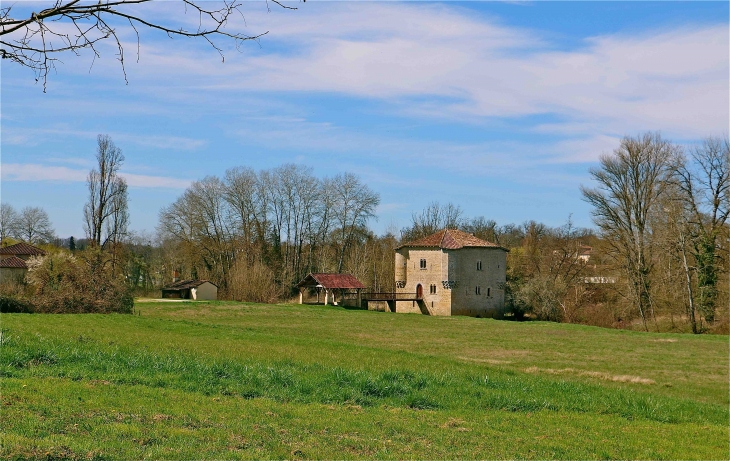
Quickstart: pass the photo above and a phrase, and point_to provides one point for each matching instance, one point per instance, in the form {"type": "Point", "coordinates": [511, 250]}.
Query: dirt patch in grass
{"type": "Point", "coordinates": [489, 361]}
{"type": "Point", "coordinates": [664, 340]}
{"type": "Point", "coordinates": [593, 374]}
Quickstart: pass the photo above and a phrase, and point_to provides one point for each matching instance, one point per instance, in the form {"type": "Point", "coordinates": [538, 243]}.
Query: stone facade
{"type": "Point", "coordinates": [458, 274]}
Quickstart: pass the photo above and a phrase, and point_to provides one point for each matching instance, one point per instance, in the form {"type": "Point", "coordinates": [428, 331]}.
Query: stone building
{"type": "Point", "coordinates": [451, 273]}
{"type": "Point", "coordinates": [13, 259]}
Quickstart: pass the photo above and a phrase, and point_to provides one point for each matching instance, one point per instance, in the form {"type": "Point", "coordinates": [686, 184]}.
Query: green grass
{"type": "Point", "coordinates": [226, 380]}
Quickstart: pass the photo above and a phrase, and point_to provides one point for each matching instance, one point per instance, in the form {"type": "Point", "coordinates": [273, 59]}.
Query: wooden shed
{"type": "Point", "coordinates": [345, 286]}
{"type": "Point", "coordinates": [199, 290]}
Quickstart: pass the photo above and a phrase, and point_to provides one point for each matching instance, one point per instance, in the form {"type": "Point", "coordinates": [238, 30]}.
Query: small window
{"type": "Point", "coordinates": [433, 289]}
{"type": "Point", "coordinates": [489, 292]}
{"type": "Point", "coordinates": [423, 264]}
{"type": "Point", "coordinates": [479, 265]}
{"type": "Point", "coordinates": [478, 290]}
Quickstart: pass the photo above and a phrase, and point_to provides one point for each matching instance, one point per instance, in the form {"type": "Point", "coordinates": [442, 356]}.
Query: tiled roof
{"type": "Point", "coordinates": [13, 262]}
{"type": "Point", "coordinates": [22, 249]}
{"type": "Point", "coordinates": [332, 281]}
{"type": "Point", "coordinates": [450, 239]}
{"type": "Point", "coordinates": [186, 284]}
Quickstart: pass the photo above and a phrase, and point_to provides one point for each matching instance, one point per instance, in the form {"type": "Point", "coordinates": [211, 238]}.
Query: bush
{"type": "Point", "coordinates": [10, 303]}
{"type": "Point", "coordinates": [254, 283]}
{"type": "Point", "coordinates": [543, 297]}
{"type": "Point", "coordinates": [86, 283]}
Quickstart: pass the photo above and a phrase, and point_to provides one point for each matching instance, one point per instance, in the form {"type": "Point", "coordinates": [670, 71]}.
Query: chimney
{"type": "Point", "coordinates": [175, 276]}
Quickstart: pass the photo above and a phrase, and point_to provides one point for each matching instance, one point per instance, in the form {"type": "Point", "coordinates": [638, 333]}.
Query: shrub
{"type": "Point", "coordinates": [85, 283]}
{"type": "Point", "coordinates": [543, 297]}
{"type": "Point", "coordinates": [253, 283]}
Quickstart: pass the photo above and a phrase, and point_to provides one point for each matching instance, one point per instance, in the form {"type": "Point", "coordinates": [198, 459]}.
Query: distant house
{"type": "Point", "coordinates": [198, 290]}
{"type": "Point", "coordinates": [346, 286]}
{"type": "Point", "coordinates": [584, 253]}
{"type": "Point", "coordinates": [13, 261]}
{"type": "Point", "coordinates": [450, 273]}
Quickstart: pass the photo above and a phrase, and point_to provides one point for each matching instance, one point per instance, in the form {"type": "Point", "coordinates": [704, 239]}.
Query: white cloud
{"type": "Point", "coordinates": [26, 136]}
{"type": "Point", "coordinates": [37, 172]}
{"type": "Point", "coordinates": [446, 61]}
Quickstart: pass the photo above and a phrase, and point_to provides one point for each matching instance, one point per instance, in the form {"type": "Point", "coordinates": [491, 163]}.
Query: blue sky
{"type": "Point", "coordinates": [500, 108]}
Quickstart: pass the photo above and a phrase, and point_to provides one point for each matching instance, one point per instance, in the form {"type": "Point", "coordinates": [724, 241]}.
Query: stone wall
{"type": "Point", "coordinates": [489, 301]}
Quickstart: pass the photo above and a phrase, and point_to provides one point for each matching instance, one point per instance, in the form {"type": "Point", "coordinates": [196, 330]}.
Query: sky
{"type": "Point", "coordinates": [501, 108]}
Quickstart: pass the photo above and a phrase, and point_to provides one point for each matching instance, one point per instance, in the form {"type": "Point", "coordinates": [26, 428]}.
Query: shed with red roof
{"type": "Point", "coordinates": [344, 285]}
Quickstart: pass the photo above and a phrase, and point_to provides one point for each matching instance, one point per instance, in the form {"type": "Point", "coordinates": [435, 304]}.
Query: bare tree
{"type": "Point", "coordinates": [105, 214]}
{"type": "Point", "coordinates": [704, 185]}
{"type": "Point", "coordinates": [8, 221]}
{"type": "Point", "coordinates": [34, 226]}
{"type": "Point", "coordinates": [354, 204]}
{"type": "Point", "coordinates": [36, 40]}
{"type": "Point", "coordinates": [432, 219]}
{"type": "Point", "coordinates": [630, 182]}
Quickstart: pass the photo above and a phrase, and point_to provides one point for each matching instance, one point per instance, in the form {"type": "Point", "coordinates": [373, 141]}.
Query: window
{"type": "Point", "coordinates": [478, 290]}
{"type": "Point", "coordinates": [479, 265]}
{"type": "Point", "coordinates": [489, 292]}
{"type": "Point", "coordinates": [423, 264]}
{"type": "Point", "coordinates": [432, 289]}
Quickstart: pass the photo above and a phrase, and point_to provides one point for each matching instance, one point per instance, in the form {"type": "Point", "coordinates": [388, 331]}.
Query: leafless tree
{"type": "Point", "coordinates": [105, 213]}
{"type": "Point", "coordinates": [630, 183]}
{"type": "Point", "coordinates": [704, 186]}
{"type": "Point", "coordinates": [8, 221]}
{"type": "Point", "coordinates": [354, 205]}
{"type": "Point", "coordinates": [38, 39]}
{"type": "Point", "coordinates": [432, 219]}
{"type": "Point", "coordinates": [34, 226]}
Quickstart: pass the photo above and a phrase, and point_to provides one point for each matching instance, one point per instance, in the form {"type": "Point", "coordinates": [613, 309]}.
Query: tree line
{"type": "Point", "coordinates": [657, 258]}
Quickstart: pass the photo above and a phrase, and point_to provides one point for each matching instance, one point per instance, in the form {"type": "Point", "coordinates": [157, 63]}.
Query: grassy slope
{"type": "Point", "coordinates": [222, 380]}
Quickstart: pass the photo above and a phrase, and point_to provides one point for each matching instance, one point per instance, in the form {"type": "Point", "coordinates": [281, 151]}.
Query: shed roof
{"type": "Point", "coordinates": [13, 262]}
{"type": "Point", "coordinates": [187, 284]}
{"type": "Point", "coordinates": [450, 239]}
{"type": "Point", "coordinates": [342, 281]}
{"type": "Point", "coordinates": [22, 249]}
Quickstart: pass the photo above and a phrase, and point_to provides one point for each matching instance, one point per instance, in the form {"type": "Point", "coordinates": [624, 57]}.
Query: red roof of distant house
{"type": "Point", "coordinates": [22, 249]}
{"type": "Point", "coordinates": [13, 262]}
{"type": "Point", "coordinates": [186, 284]}
{"type": "Point", "coordinates": [341, 281]}
{"type": "Point", "coordinates": [451, 239]}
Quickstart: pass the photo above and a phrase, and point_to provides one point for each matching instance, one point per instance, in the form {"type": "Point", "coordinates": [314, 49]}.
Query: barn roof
{"type": "Point", "coordinates": [13, 262]}
{"type": "Point", "coordinates": [187, 284]}
{"type": "Point", "coordinates": [450, 239]}
{"type": "Point", "coordinates": [22, 249]}
{"type": "Point", "coordinates": [342, 281]}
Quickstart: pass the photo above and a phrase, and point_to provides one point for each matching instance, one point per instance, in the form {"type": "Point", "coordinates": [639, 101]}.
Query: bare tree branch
{"type": "Point", "coordinates": [38, 40]}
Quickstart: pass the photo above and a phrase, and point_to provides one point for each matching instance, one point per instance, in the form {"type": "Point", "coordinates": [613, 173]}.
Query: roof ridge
{"type": "Point", "coordinates": [441, 242]}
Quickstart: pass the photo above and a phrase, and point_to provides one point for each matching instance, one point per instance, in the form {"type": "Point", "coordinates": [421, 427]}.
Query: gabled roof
{"type": "Point", "coordinates": [451, 239]}
{"type": "Point", "coordinates": [187, 284]}
{"type": "Point", "coordinates": [342, 281]}
{"type": "Point", "coordinates": [22, 249]}
{"type": "Point", "coordinates": [13, 262]}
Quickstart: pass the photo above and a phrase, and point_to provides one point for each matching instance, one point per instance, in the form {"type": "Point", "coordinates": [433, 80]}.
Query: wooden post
{"type": "Point", "coordinates": [359, 298]}
{"type": "Point", "coordinates": [326, 296]}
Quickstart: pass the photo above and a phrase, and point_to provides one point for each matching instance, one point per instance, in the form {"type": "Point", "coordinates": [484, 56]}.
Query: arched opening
{"type": "Point", "coordinates": [419, 291]}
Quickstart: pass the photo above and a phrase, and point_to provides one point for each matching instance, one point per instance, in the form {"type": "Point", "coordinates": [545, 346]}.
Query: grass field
{"type": "Point", "coordinates": [226, 380]}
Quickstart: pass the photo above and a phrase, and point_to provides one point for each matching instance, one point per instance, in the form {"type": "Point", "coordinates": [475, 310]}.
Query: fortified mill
{"type": "Point", "coordinates": [450, 273]}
